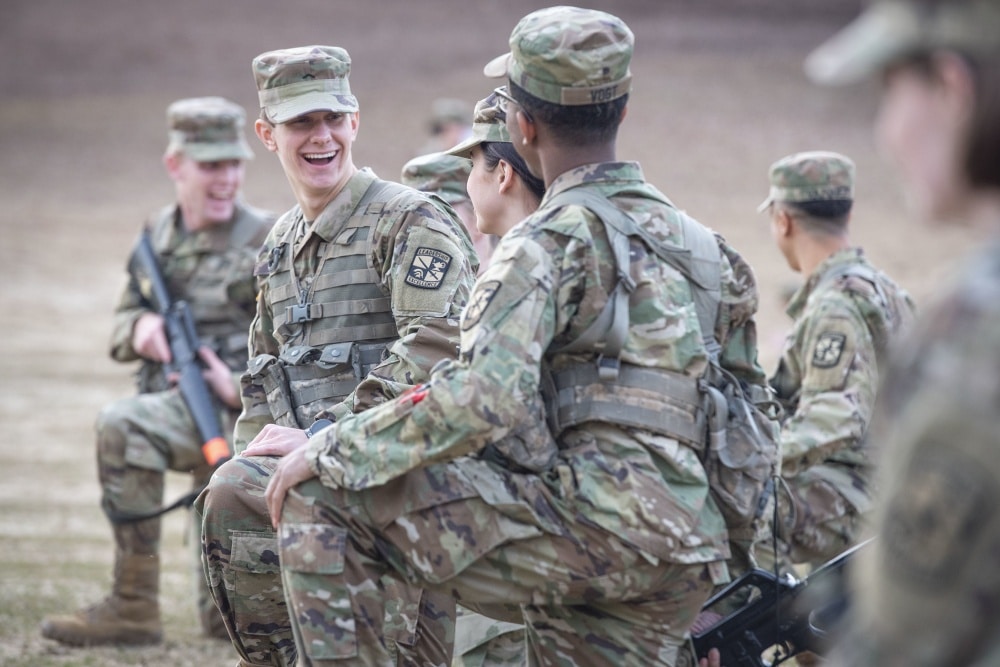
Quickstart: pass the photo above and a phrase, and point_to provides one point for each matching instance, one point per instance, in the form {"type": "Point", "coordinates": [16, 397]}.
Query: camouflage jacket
{"type": "Point", "coordinates": [548, 281]}
{"type": "Point", "coordinates": [846, 315]}
{"type": "Point", "coordinates": [212, 270]}
{"type": "Point", "coordinates": [926, 587]}
{"type": "Point", "coordinates": [426, 318]}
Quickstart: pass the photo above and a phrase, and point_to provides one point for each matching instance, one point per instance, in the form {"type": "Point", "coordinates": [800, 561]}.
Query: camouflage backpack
{"type": "Point", "coordinates": [735, 427]}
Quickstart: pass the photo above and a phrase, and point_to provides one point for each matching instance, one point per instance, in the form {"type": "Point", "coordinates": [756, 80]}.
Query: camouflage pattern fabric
{"type": "Point", "coordinates": [846, 317]}
{"type": "Point", "coordinates": [139, 438]}
{"type": "Point", "coordinates": [610, 552]}
{"type": "Point", "coordinates": [292, 82]}
{"type": "Point", "coordinates": [926, 588]}
{"type": "Point", "coordinates": [242, 562]}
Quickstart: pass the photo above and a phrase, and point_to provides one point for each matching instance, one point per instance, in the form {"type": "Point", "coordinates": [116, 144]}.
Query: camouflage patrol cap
{"type": "Point", "coordinates": [488, 124]}
{"type": "Point", "coordinates": [889, 30]}
{"type": "Point", "coordinates": [449, 110]}
{"type": "Point", "coordinates": [206, 129]}
{"type": "Point", "coordinates": [810, 176]}
{"type": "Point", "coordinates": [439, 173]}
{"type": "Point", "coordinates": [568, 56]}
{"type": "Point", "coordinates": [296, 81]}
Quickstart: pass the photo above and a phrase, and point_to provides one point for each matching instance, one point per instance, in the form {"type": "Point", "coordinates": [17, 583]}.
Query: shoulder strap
{"type": "Point", "coordinates": [698, 262]}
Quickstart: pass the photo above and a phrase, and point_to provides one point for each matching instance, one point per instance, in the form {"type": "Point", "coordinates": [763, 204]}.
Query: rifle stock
{"type": "Point", "coordinates": [184, 344]}
{"type": "Point", "coordinates": [781, 616]}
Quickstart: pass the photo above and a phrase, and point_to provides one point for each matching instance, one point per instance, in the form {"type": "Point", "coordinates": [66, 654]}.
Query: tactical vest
{"type": "Point", "coordinates": [732, 427]}
{"type": "Point", "coordinates": [219, 288]}
{"type": "Point", "coordinates": [339, 328]}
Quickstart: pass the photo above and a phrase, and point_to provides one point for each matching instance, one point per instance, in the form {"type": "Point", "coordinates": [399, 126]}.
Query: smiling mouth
{"type": "Point", "coordinates": [320, 158]}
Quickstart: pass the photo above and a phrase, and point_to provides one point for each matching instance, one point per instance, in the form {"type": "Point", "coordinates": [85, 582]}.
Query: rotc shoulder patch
{"type": "Point", "coordinates": [482, 295]}
{"type": "Point", "coordinates": [428, 268]}
{"type": "Point", "coordinates": [828, 349]}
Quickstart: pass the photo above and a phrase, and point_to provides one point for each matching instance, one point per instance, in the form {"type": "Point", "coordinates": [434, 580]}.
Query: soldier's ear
{"type": "Point", "coordinates": [172, 163]}
{"type": "Point", "coordinates": [265, 132]}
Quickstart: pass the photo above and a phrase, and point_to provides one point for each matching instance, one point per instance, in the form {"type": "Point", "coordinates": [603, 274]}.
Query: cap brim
{"type": "Point", "coordinates": [309, 102]}
{"type": "Point", "coordinates": [882, 33]}
{"type": "Point", "coordinates": [498, 67]}
{"type": "Point", "coordinates": [464, 149]}
{"type": "Point", "coordinates": [765, 204]}
{"type": "Point", "coordinates": [213, 152]}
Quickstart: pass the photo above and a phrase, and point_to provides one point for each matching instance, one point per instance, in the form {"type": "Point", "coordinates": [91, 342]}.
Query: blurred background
{"type": "Point", "coordinates": [719, 94]}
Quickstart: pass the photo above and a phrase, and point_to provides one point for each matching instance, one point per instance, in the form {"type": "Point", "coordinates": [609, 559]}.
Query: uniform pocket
{"type": "Point", "coordinates": [256, 582]}
{"type": "Point", "coordinates": [312, 556]}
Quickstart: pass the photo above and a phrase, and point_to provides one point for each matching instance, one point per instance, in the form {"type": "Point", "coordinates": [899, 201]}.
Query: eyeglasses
{"type": "Point", "coordinates": [504, 103]}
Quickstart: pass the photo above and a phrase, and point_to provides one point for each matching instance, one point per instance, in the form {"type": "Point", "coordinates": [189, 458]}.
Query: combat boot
{"type": "Point", "coordinates": [130, 615]}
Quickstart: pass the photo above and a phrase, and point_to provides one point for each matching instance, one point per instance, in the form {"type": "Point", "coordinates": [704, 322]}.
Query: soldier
{"type": "Point", "coordinates": [845, 317]}
{"type": "Point", "coordinates": [206, 244]}
{"type": "Point", "coordinates": [448, 125]}
{"type": "Point", "coordinates": [362, 285]}
{"type": "Point", "coordinates": [445, 175]}
{"type": "Point", "coordinates": [927, 589]}
{"type": "Point", "coordinates": [601, 531]}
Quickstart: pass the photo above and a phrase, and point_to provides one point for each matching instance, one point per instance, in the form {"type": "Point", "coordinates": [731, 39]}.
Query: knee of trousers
{"type": "Point", "coordinates": [112, 427]}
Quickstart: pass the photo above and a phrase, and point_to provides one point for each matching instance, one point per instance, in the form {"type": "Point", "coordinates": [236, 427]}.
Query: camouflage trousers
{"type": "Point", "coordinates": [139, 438]}
{"type": "Point", "coordinates": [585, 597]}
{"type": "Point", "coordinates": [822, 512]}
{"type": "Point", "coordinates": [241, 559]}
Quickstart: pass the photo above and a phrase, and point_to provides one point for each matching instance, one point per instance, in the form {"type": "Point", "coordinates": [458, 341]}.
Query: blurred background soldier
{"type": "Point", "coordinates": [927, 591]}
{"type": "Point", "coordinates": [448, 125]}
{"type": "Point", "coordinates": [845, 316]}
{"type": "Point", "coordinates": [206, 244]}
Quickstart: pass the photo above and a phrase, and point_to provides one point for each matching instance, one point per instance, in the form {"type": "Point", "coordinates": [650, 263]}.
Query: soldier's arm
{"type": "Point", "coordinates": [428, 267]}
{"type": "Point", "coordinates": [736, 328]}
{"type": "Point", "coordinates": [839, 379]}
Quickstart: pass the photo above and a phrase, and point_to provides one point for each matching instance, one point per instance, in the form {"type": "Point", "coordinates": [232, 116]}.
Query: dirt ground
{"type": "Point", "coordinates": [719, 94]}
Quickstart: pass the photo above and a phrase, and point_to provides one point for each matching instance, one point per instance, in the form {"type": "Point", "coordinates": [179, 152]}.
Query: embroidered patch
{"type": "Point", "coordinates": [482, 297]}
{"type": "Point", "coordinates": [829, 347]}
{"type": "Point", "coordinates": [428, 268]}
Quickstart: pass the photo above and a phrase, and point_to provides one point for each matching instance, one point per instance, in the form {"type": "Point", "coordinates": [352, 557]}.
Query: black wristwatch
{"type": "Point", "coordinates": [318, 426]}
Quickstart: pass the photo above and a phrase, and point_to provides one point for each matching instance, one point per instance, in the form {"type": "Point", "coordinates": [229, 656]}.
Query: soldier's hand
{"type": "Point", "coordinates": [274, 440]}
{"type": "Point", "coordinates": [292, 470]}
{"type": "Point", "coordinates": [149, 339]}
{"type": "Point", "coordinates": [219, 377]}
{"type": "Point", "coordinates": [713, 659]}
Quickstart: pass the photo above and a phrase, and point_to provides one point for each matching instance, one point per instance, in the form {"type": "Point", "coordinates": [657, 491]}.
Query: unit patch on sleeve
{"type": "Point", "coordinates": [428, 268]}
{"type": "Point", "coordinates": [828, 349]}
{"type": "Point", "coordinates": [481, 298]}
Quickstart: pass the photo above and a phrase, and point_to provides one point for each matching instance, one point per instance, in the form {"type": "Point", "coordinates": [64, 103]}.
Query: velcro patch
{"type": "Point", "coordinates": [828, 349]}
{"type": "Point", "coordinates": [481, 298]}
{"type": "Point", "coordinates": [428, 268]}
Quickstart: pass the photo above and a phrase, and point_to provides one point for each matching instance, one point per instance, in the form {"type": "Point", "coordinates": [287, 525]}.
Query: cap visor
{"type": "Point", "coordinates": [215, 152]}
{"type": "Point", "coordinates": [882, 33]}
{"type": "Point", "coordinates": [309, 102]}
{"type": "Point", "coordinates": [497, 67]}
{"type": "Point", "coordinates": [765, 204]}
{"type": "Point", "coordinates": [464, 149]}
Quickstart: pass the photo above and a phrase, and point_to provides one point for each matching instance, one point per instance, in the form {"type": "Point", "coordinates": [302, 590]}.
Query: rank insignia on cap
{"type": "Point", "coordinates": [829, 347]}
{"type": "Point", "coordinates": [481, 298]}
{"type": "Point", "coordinates": [428, 268]}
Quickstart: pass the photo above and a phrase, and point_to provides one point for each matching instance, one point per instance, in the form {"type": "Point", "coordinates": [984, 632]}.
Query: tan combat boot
{"type": "Point", "coordinates": [130, 615]}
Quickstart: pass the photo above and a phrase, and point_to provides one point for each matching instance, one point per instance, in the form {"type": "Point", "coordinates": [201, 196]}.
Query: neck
{"type": "Point", "coordinates": [813, 252]}
{"type": "Point", "coordinates": [560, 159]}
{"type": "Point", "coordinates": [313, 202]}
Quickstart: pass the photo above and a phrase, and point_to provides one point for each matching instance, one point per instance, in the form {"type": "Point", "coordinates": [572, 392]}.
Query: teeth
{"type": "Point", "coordinates": [319, 156]}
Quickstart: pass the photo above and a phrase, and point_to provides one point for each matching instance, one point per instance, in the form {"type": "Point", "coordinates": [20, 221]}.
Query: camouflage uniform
{"type": "Point", "coordinates": [141, 437]}
{"type": "Point", "coordinates": [354, 307]}
{"type": "Point", "coordinates": [846, 315]}
{"type": "Point", "coordinates": [605, 536]}
{"type": "Point", "coordinates": [927, 589]}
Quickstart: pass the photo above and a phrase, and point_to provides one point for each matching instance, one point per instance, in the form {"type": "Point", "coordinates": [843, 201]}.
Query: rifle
{"type": "Point", "coordinates": [184, 344]}
{"type": "Point", "coordinates": [782, 615]}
